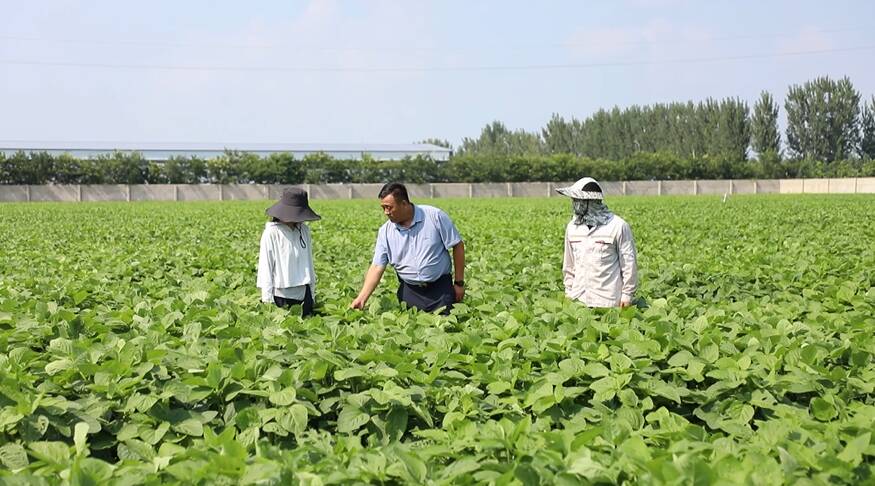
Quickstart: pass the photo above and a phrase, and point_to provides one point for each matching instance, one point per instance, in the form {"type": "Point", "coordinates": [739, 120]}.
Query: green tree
{"type": "Point", "coordinates": [495, 139]}
{"type": "Point", "coordinates": [867, 129]}
{"type": "Point", "coordinates": [764, 136]}
{"type": "Point", "coordinates": [437, 141]}
{"type": "Point", "coordinates": [559, 136]}
{"type": "Point", "coordinates": [823, 119]}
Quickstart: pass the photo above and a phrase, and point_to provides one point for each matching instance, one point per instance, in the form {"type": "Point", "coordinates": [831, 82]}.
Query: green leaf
{"type": "Point", "coordinates": [347, 373]}
{"type": "Point", "coordinates": [59, 365]}
{"type": "Point", "coordinates": [854, 449]}
{"type": "Point", "coordinates": [283, 397]}
{"type": "Point", "coordinates": [189, 426]}
{"type": "Point", "coordinates": [80, 433]}
{"type": "Point", "coordinates": [396, 423]}
{"type": "Point", "coordinates": [299, 416]}
{"type": "Point", "coordinates": [573, 366]}
{"type": "Point", "coordinates": [415, 466]}
{"type": "Point", "coordinates": [498, 387]}
{"type": "Point", "coordinates": [823, 410]}
{"type": "Point", "coordinates": [51, 452]}
{"type": "Point", "coordinates": [680, 359]}
{"type": "Point", "coordinates": [91, 471]}
{"type": "Point", "coordinates": [604, 388]}
{"type": "Point", "coordinates": [582, 464]}
{"type": "Point", "coordinates": [261, 472]}
{"type": "Point", "coordinates": [350, 419]}
{"type": "Point", "coordinates": [460, 467]}
{"type": "Point", "coordinates": [597, 370]}
{"type": "Point", "coordinates": [13, 456]}
{"type": "Point", "coordinates": [635, 448]}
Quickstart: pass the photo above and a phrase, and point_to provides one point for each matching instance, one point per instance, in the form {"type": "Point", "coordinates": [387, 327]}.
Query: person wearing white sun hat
{"type": "Point", "coordinates": [600, 267]}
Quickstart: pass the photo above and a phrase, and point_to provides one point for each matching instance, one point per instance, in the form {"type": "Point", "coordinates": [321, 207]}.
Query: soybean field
{"type": "Point", "coordinates": [134, 350]}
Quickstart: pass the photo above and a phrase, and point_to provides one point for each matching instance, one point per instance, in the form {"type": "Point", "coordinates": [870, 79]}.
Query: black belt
{"type": "Point", "coordinates": [425, 285]}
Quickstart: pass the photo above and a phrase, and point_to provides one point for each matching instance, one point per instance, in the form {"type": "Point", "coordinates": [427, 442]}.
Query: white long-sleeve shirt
{"type": "Point", "coordinates": [600, 267]}
{"type": "Point", "coordinates": [285, 265]}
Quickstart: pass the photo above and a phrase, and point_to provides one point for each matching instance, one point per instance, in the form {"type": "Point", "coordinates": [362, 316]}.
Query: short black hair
{"type": "Point", "coordinates": [396, 189]}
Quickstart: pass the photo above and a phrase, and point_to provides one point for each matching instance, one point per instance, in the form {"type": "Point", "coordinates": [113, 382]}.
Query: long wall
{"type": "Point", "coordinates": [236, 192]}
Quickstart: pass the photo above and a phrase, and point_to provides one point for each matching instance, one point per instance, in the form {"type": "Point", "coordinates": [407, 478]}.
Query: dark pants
{"type": "Point", "coordinates": [306, 304]}
{"type": "Point", "coordinates": [430, 296]}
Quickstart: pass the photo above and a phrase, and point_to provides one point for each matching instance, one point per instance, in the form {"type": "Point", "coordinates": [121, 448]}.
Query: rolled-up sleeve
{"type": "Point", "coordinates": [628, 259]}
{"type": "Point", "coordinates": [381, 251]}
{"type": "Point", "coordinates": [449, 234]}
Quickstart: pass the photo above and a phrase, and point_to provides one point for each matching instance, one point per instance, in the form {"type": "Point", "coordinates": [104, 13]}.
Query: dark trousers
{"type": "Point", "coordinates": [430, 296]}
{"type": "Point", "coordinates": [306, 304]}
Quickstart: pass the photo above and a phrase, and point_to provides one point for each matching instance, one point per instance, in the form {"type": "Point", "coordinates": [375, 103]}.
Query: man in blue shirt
{"type": "Point", "coordinates": [415, 242]}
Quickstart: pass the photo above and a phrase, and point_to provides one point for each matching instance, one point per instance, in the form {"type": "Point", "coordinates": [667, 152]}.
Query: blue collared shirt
{"type": "Point", "coordinates": [418, 253]}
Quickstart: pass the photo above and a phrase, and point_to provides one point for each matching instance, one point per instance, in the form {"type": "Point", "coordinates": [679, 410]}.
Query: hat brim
{"type": "Point", "coordinates": [290, 214]}
{"type": "Point", "coordinates": [577, 194]}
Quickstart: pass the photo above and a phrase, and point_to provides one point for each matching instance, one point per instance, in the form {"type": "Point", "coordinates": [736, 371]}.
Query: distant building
{"type": "Point", "coordinates": [164, 151]}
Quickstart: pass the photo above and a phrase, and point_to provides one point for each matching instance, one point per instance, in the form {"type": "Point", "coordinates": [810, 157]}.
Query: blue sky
{"type": "Point", "coordinates": [376, 71]}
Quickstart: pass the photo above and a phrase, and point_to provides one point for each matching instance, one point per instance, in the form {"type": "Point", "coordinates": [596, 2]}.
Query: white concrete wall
{"type": "Point", "coordinates": [244, 192]}
{"type": "Point", "coordinates": [642, 188]}
{"type": "Point", "coordinates": [533, 189]}
{"type": "Point", "coordinates": [612, 188]}
{"type": "Point", "coordinates": [743, 186]}
{"type": "Point", "coordinates": [670, 188]}
{"type": "Point", "coordinates": [153, 192]}
{"type": "Point", "coordinates": [330, 191]}
{"type": "Point", "coordinates": [113, 192]}
{"type": "Point", "coordinates": [14, 194]}
{"type": "Point", "coordinates": [489, 189]}
{"type": "Point", "coordinates": [866, 185]}
{"type": "Point", "coordinates": [791, 186]}
{"type": "Point", "coordinates": [768, 186]}
{"type": "Point", "coordinates": [452, 189]}
{"type": "Point", "coordinates": [369, 191]}
{"type": "Point", "coordinates": [54, 193]}
{"type": "Point", "coordinates": [842, 186]}
{"type": "Point", "coordinates": [712, 187]}
{"type": "Point", "coordinates": [815, 186]}
{"type": "Point", "coordinates": [198, 192]}
{"type": "Point", "coordinates": [250, 192]}
{"type": "Point", "coordinates": [415, 191]}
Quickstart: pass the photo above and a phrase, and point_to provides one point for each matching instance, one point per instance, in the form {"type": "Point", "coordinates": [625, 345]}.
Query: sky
{"type": "Point", "coordinates": [381, 71]}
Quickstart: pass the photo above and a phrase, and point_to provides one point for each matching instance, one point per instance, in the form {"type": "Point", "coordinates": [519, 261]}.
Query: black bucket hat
{"type": "Point", "coordinates": [293, 207]}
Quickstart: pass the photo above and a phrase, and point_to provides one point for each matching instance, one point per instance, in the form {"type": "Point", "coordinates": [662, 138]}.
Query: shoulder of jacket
{"type": "Point", "coordinates": [619, 221]}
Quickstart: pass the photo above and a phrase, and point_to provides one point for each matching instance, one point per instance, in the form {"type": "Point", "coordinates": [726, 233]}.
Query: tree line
{"type": "Point", "coordinates": [234, 168]}
{"type": "Point", "coordinates": [827, 121]}
{"type": "Point", "coordinates": [830, 133]}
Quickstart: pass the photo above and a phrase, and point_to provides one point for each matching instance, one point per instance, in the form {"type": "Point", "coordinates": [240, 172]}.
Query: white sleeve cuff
{"type": "Point", "coordinates": [267, 295]}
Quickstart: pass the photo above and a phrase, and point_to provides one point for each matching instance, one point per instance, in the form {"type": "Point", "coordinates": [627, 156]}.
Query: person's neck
{"type": "Point", "coordinates": [409, 221]}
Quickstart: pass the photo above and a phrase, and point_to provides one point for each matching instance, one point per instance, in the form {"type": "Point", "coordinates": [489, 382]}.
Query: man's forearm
{"type": "Point", "coordinates": [459, 261]}
{"type": "Point", "coordinates": [372, 279]}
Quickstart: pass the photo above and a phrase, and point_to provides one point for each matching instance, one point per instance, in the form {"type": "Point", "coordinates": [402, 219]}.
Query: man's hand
{"type": "Point", "coordinates": [372, 278]}
{"type": "Point", "coordinates": [460, 292]}
{"type": "Point", "coordinates": [625, 302]}
{"type": "Point", "coordinates": [358, 303]}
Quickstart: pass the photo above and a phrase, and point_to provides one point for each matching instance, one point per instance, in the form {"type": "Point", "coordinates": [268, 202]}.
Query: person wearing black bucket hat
{"type": "Point", "coordinates": [285, 260]}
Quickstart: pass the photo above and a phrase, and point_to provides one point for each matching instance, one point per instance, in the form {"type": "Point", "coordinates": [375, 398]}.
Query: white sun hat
{"type": "Point", "coordinates": [586, 188]}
